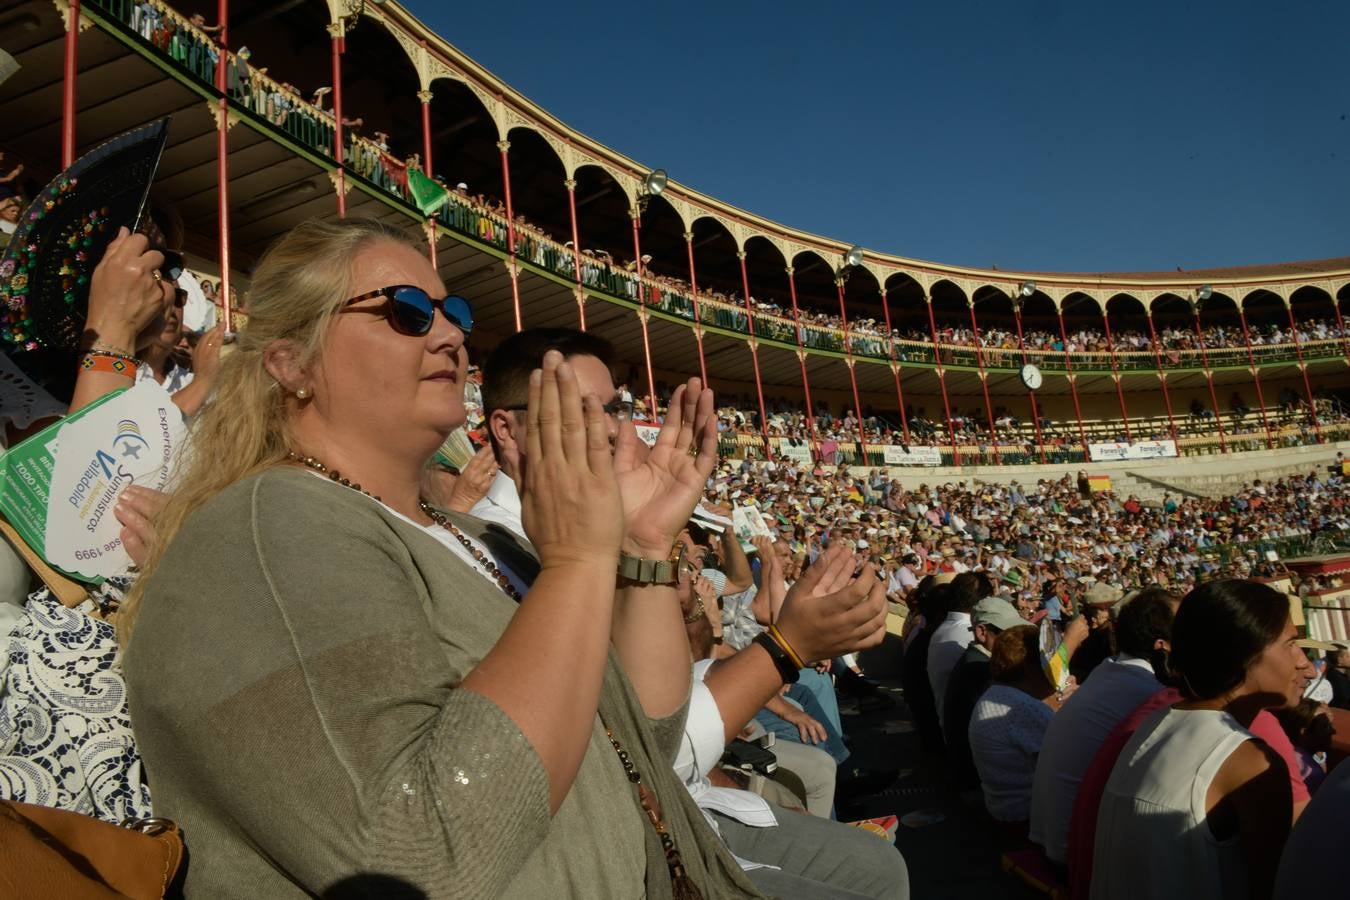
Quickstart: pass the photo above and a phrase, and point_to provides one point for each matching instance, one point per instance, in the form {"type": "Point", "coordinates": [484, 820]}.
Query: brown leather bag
{"type": "Point", "coordinates": [48, 852]}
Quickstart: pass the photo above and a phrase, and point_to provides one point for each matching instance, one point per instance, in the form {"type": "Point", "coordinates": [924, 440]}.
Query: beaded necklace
{"type": "Point", "coordinates": [682, 887]}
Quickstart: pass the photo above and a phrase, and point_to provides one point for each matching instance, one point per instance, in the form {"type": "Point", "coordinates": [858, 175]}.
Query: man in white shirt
{"type": "Point", "coordinates": [1113, 690]}
{"type": "Point", "coordinates": [953, 636]}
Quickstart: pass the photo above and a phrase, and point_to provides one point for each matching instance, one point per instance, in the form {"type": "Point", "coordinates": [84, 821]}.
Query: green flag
{"type": "Point", "coordinates": [426, 193]}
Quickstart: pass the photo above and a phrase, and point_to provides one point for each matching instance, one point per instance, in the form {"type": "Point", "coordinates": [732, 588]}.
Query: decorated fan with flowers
{"type": "Point", "coordinates": [44, 273]}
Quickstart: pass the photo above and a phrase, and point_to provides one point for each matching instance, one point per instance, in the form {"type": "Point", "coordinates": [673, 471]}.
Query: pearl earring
{"type": "Point", "coordinates": [302, 394]}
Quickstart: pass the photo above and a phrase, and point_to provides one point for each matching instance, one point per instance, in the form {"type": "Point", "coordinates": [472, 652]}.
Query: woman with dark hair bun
{"type": "Point", "coordinates": [1196, 806]}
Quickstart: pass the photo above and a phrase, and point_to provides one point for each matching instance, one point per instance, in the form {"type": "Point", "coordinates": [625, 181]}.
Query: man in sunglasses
{"type": "Point", "coordinates": [806, 855]}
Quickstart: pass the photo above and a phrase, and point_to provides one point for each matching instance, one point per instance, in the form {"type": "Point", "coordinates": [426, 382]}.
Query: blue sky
{"type": "Point", "coordinates": [1027, 134]}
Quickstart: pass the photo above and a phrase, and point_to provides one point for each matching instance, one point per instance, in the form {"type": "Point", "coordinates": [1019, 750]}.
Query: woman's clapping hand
{"type": "Point", "coordinates": [569, 495]}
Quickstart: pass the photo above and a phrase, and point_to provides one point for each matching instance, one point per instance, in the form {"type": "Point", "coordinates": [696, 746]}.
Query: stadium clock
{"type": "Point", "coordinates": [1031, 377]}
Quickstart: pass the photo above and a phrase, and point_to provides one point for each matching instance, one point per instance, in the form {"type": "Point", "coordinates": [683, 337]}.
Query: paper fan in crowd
{"type": "Point", "coordinates": [45, 270]}
{"type": "Point", "coordinates": [457, 450]}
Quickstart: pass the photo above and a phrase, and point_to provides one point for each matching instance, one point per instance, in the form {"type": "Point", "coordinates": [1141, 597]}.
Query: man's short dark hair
{"type": "Point", "coordinates": [1146, 619]}
{"type": "Point", "coordinates": [506, 372]}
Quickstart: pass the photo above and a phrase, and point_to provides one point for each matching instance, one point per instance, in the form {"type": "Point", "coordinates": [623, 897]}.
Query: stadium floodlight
{"type": "Point", "coordinates": [1204, 292]}
{"type": "Point", "coordinates": [854, 256]}
{"type": "Point", "coordinates": [655, 182]}
{"type": "Point", "coordinates": [1026, 289]}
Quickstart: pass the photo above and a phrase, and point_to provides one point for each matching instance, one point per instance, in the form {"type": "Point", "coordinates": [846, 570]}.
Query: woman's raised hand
{"type": "Point", "coordinates": [569, 495]}
{"type": "Point", "coordinates": [124, 292]}
{"type": "Point", "coordinates": [662, 485]}
{"type": "Point", "coordinates": [831, 610]}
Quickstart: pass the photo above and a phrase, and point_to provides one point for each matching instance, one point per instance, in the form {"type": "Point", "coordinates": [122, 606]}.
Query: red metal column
{"type": "Point", "coordinates": [336, 31]}
{"type": "Point", "coordinates": [1162, 376]}
{"type": "Point", "coordinates": [801, 358]}
{"type": "Point", "coordinates": [571, 184]}
{"type": "Point", "coordinates": [1340, 326]}
{"type": "Point", "coordinates": [1209, 377]}
{"type": "Point", "coordinates": [223, 165]}
{"type": "Point", "coordinates": [504, 146]}
{"type": "Point", "coordinates": [895, 366]}
{"type": "Point", "coordinates": [1256, 377]}
{"type": "Point", "coordinates": [1115, 373]}
{"type": "Point", "coordinates": [1303, 367]}
{"type": "Point", "coordinates": [68, 76]}
{"type": "Point", "coordinates": [698, 314]}
{"type": "Point", "coordinates": [984, 382]}
{"type": "Point", "coordinates": [942, 381]}
{"type": "Point", "coordinates": [848, 360]}
{"type": "Point", "coordinates": [1073, 385]}
{"type": "Point", "coordinates": [754, 356]}
{"type": "Point", "coordinates": [425, 97]}
{"type": "Point", "coordinates": [642, 312]}
{"type": "Point", "coordinates": [1022, 346]}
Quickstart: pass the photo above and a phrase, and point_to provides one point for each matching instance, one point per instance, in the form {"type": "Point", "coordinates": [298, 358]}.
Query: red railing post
{"type": "Point", "coordinates": [801, 358]}
{"type": "Point", "coordinates": [1073, 386]}
{"type": "Point", "coordinates": [340, 182]}
{"type": "Point", "coordinates": [984, 381]}
{"type": "Point", "coordinates": [942, 381]}
{"type": "Point", "coordinates": [1115, 374]}
{"type": "Point", "coordinates": [698, 313]}
{"type": "Point", "coordinates": [642, 311]}
{"type": "Point", "coordinates": [1303, 367]}
{"type": "Point", "coordinates": [1256, 377]}
{"type": "Point", "coordinates": [1162, 376]}
{"type": "Point", "coordinates": [69, 75]}
{"type": "Point", "coordinates": [1209, 376]}
{"type": "Point", "coordinates": [223, 164]}
{"type": "Point", "coordinates": [895, 366]}
{"type": "Point", "coordinates": [754, 356]}
{"type": "Point", "coordinates": [571, 184]}
{"type": "Point", "coordinates": [503, 146]}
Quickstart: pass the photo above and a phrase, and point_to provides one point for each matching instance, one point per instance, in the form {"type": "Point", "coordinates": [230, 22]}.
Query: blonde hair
{"type": "Point", "coordinates": [300, 283]}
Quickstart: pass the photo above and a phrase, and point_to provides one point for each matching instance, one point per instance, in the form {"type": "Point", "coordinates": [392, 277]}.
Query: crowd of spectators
{"type": "Point", "coordinates": [963, 565]}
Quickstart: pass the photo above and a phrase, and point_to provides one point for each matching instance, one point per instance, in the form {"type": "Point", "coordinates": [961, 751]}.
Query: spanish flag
{"type": "Point", "coordinates": [1099, 483]}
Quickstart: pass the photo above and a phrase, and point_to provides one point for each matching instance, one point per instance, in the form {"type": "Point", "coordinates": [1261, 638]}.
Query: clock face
{"type": "Point", "coordinates": [1031, 376]}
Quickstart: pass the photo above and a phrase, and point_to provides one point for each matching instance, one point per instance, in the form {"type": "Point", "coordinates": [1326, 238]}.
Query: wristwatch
{"type": "Point", "coordinates": [651, 571]}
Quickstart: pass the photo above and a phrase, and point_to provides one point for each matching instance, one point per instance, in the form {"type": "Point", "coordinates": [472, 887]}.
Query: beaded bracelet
{"type": "Point", "coordinates": [96, 361]}
{"type": "Point", "coordinates": [786, 670]}
{"type": "Point", "coordinates": [787, 646]}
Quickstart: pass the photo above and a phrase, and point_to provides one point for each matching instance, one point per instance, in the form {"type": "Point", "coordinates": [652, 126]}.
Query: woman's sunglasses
{"type": "Point", "coordinates": [411, 311]}
{"type": "Point", "coordinates": [171, 270]}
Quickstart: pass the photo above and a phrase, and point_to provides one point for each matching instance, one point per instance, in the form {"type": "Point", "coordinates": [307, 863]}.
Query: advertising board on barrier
{"type": "Point", "coordinates": [1119, 450]}
{"type": "Point", "coordinates": [800, 453]}
{"type": "Point", "coordinates": [914, 456]}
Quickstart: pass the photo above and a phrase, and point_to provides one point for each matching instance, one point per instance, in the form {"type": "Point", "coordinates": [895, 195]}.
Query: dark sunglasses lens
{"type": "Point", "coordinates": [180, 298]}
{"type": "Point", "coordinates": [459, 312]}
{"type": "Point", "coordinates": [411, 311]}
{"type": "Point", "coordinates": [173, 265]}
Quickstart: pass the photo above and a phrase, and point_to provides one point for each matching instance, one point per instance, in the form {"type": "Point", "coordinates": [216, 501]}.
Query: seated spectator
{"type": "Point", "coordinates": [1195, 807]}
{"type": "Point", "coordinates": [931, 599]}
{"type": "Point", "coordinates": [1338, 675]}
{"type": "Point", "coordinates": [1100, 641]}
{"type": "Point", "coordinates": [1008, 725]}
{"type": "Point", "coordinates": [969, 679]}
{"type": "Point", "coordinates": [953, 635]}
{"type": "Point", "coordinates": [1143, 633]}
